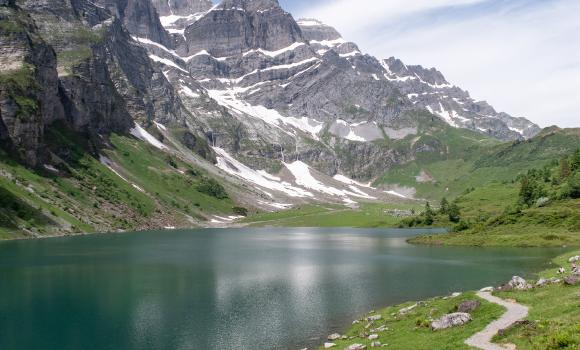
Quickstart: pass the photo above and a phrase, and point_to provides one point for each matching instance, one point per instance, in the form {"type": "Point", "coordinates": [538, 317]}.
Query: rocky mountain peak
{"type": "Point", "coordinates": [236, 26]}
{"type": "Point", "coordinates": [313, 29]}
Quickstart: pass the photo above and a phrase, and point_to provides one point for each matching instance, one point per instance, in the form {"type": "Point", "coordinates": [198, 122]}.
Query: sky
{"type": "Point", "coordinates": [521, 56]}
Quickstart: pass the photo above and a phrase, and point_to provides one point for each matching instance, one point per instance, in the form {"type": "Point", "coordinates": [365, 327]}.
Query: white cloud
{"type": "Point", "coordinates": [523, 57]}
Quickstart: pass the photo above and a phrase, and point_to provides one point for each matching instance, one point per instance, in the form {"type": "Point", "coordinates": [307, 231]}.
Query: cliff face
{"type": "Point", "coordinates": [28, 85]}
{"type": "Point", "coordinates": [75, 61]}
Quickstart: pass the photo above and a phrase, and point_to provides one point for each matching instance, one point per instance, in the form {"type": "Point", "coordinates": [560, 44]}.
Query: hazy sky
{"type": "Point", "coordinates": [522, 56]}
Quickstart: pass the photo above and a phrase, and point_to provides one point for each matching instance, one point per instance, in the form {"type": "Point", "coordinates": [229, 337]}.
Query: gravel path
{"type": "Point", "coordinates": [515, 312]}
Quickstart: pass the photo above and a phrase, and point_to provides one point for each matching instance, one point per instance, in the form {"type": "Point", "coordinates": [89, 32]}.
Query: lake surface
{"type": "Point", "coordinates": [225, 289]}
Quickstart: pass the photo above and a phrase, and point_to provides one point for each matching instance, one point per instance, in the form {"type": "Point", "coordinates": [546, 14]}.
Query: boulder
{"type": "Point", "coordinates": [334, 336]}
{"type": "Point", "coordinates": [544, 282]}
{"type": "Point", "coordinates": [374, 317]}
{"type": "Point", "coordinates": [468, 306]}
{"type": "Point", "coordinates": [373, 337]}
{"type": "Point", "coordinates": [451, 320]}
{"type": "Point", "coordinates": [376, 344]}
{"type": "Point", "coordinates": [572, 280]}
{"type": "Point", "coordinates": [355, 347]}
{"type": "Point", "coordinates": [574, 259]}
{"type": "Point", "coordinates": [329, 345]}
{"type": "Point", "coordinates": [407, 309]}
{"type": "Point", "coordinates": [519, 283]}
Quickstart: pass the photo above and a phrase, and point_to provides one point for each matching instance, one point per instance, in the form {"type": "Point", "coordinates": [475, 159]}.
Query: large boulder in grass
{"type": "Point", "coordinates": [356, 347]}
{"type": "Point", "coordinates": [468, 306]}
{"type": "Point", "coordinates": [572, 280]}
{"type": "Point", "coordinates": [451, 320]}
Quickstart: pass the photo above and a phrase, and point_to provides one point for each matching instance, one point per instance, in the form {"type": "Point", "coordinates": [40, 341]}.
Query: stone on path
{"type": "Point", "coordinates": [451, 320]}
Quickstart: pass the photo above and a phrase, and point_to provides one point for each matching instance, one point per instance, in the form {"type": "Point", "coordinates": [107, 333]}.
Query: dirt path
{"type": "Point", "coordinates": [515, 312]}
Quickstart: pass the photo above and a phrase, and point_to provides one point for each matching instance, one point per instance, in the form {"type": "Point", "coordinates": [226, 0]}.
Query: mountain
{"type": "Point", "coordinates": [122, 113]}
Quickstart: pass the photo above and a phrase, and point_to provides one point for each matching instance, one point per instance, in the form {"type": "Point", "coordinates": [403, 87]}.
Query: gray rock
{"type": "Point", "coordinates": [334, 336]}
{"type": "Point", "coordinates": [451, 320]}
{"type": "Point", "coordinates": [468, 306]}
{"type": "Point", "coordinates": [519, 283]}
{"type": "Point", "coordinates": [572, 280]}
{"type": "Point", "coordinates": [355, 347]}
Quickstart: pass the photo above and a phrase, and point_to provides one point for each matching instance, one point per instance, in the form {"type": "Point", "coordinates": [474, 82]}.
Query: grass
{"type": "Point", "coordinates": [369, 215]}
{"type": "Point", "coordinates": [551, 226]}
{"type": "Point", "coordinates": [412, 330]}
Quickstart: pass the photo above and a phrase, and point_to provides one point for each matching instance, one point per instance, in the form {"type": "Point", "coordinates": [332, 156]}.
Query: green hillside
{"type": "Point", "coordinates": [470, 164]}
{"type": "Point", "coordinates": [147, 189]}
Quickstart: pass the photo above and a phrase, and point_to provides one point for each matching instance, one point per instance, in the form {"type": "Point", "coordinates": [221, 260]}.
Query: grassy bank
{"type": "Point", "coordinates": [554, 320]}
{"type": "Point", "coordinates": [369, 215]}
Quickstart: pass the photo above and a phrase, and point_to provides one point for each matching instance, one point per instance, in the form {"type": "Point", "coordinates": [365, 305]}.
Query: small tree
{"type": "Point", "coordinates": [444, 206]}
{"type": "Point", "coordinates": [454, 213]}
{"type": "Point", "coordinates": [575, 161]}
{"type": "Point", "coordinates": [429, 215]}
{"type": "Point", "coordinates": [565, 171]}
{"type": "Point", "coordinates": [574, 184]}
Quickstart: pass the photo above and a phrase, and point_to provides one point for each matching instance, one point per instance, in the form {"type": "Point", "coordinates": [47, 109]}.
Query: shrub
{"type": "Point", "coordinates": [241, 211]}
{"type": "Point", "coordinates": [212, 188]}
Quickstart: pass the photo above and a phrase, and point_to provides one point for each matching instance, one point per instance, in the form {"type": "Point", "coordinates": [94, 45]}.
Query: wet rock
{"type": "Point", "coordinates": [468, 306]}
{"type": "Point", "coordinates": [451, 320]}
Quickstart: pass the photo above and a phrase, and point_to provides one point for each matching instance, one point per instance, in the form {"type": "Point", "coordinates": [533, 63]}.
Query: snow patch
{"type": "Point", "coordinates": [167, 62]}
{"type": "Point", "coordinates": [143, 135]}
{"type": "Point", "coordinates": [231, 166]}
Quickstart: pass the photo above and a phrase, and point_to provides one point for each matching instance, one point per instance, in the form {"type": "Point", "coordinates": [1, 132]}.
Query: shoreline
{"type": "Point", "coordinates": [549, 272]}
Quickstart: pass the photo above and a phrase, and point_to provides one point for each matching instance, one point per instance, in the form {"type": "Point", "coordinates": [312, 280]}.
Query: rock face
{"type": "Point", "coordinates": [451, 320]}
{"type": "Point", "coordinates": [181, 7]}
{"type": "Point", "coordinates": [28, 85]}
